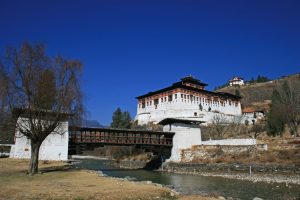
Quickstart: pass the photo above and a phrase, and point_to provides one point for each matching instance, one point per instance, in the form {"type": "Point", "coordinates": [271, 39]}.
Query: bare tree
{"type": "Point", "coordinates": [6, 127]}
{"type": "Point", "coordinates": [257, 129]}
{"type": "Point", "coordinates": [286, 104]}
{"type": "Point", "coordinates": [220, 124]}
{"type": "Point", "coordinates": [41, 92]}
{"type": "Point", "coordinates": [226, 125]}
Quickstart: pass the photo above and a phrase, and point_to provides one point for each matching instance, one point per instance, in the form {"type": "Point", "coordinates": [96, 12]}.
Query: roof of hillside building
{"type": "Point", "coordinates": [181, 84]}
{"type": "Point", "coordinates": [235, 78]}
{"type": "Point", "coordinates": [251, 110]}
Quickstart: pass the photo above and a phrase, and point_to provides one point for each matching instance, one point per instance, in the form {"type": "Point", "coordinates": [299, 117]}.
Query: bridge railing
{"type": "Point", "coordinates": [121, 140]}
{"type": "Point", "coordinates": [121, 137]}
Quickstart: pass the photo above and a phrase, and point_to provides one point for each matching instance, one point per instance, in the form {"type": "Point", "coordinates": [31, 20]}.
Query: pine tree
{"type": "Point", "coordinates": [237, 93]}
{"type": "Point", "coordinates": [126, 120]}
{"type": "Point", "coordinates": [116, 119]}
{"type": "Point", "coordinates": [121, 119]}
{"type": "Point", "coordinates": [275, 121]}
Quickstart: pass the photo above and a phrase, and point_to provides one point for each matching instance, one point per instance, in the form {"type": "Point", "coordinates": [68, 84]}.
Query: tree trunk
{"type": "Point", "coordinates": [293, 128]}
{"type": "Point", "coordinates": [34, 159]}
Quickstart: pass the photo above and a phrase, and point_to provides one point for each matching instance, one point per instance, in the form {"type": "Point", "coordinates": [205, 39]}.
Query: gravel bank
{"type": "Point", "coordinates": [254, 177]}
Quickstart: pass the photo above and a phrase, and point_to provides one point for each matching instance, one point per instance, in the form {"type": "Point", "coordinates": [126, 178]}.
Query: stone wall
{"type": "Point", "coordinates": [130, 164]}
{"type": "Point", "coordinates": [213, 151]}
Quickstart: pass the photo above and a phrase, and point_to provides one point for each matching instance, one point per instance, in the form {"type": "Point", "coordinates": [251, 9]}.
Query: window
{"type": "Point", "coordinates": [200, 107]}
{"type": "Point", "coordinates": [182, 96]}
{"type": "Point", "coordinates": [143, 105]}
{"type": "Point", "coordinates": [195, 114]}
{"type": "Point", "coordinates": [191, 97]}
{"type": "Point", "coordinates": [175, 96]}
{"type": "Point", "coordinates": [155, 101]}
{"type": "Point", "coordinates": [165, 99]}
{"type": "Point", "coordinates": [162, 99]}
{"type": "Point", "coordinates": [170, 97]}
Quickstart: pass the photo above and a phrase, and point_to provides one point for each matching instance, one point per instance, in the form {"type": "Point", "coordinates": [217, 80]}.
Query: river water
{"type": "Point", "coordinates": [197, 184]}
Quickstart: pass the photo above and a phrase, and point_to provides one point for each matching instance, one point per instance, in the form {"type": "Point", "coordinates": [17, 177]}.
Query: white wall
{"type": "Point", "coordinates": [54, 147]}
{"type": "Point", "coordinates": [183, 108]}
{"type": "Point", "coordinates": [186, 136]}
{"type": "Point", "coordinates": [251, 116]}
{"type": "Point", "coordinates": [230, 142]}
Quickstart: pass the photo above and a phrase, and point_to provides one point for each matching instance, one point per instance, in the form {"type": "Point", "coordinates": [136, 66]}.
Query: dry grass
{"type": "Point", "coordinates": [58, 181]}
{"type": "Point", "coordinates": [73, 184]}
{"type": "Point", "coordinates": [275, 157]}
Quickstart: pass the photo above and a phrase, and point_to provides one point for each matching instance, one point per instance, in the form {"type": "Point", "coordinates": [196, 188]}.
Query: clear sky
{"type": "Point", "coordinates": [129, 48]}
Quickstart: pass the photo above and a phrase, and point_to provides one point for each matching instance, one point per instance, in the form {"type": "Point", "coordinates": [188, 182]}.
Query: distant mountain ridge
{"type": "Point", "coordinates": [91, 124]}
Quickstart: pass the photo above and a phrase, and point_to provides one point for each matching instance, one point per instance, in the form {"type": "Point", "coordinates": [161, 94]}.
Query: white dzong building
{"type": "Point", "coordinates": [186, 99]}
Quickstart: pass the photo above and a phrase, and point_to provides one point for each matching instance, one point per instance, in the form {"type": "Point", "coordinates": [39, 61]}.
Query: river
{"type": "Point", "coordinates": [197, 184]}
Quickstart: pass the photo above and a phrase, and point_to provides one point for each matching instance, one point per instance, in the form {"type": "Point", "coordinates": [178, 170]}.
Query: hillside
{"type": "Point", "coordinates": [258, 95]}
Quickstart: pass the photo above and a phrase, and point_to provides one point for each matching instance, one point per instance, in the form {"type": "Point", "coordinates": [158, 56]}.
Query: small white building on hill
{"type": "Point", "coordinates": [236, 81]}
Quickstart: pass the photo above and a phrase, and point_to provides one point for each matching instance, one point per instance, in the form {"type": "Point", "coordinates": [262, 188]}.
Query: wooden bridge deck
{"type": "Point", "coordinates": [120, 137]}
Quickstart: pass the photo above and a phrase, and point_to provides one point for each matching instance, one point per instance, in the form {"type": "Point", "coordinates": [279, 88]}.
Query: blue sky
{"type": "Point", "coordinates": [129, 48]}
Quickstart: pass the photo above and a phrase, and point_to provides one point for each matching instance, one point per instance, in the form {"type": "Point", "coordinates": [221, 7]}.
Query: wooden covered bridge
{"type": "Point", "coordinates": [108, 136]}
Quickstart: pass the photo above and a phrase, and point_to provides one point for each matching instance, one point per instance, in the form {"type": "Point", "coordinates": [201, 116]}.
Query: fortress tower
{"type": "Point", "coordinates": [186, 99]}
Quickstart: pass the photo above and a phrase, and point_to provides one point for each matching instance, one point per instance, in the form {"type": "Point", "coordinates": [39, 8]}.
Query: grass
{"type": "Point", "coordinates": [58, 181]}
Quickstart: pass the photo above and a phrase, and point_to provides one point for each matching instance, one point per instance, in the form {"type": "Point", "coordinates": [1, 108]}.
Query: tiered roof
{"type": "Point", "coordinates": [182, 84]}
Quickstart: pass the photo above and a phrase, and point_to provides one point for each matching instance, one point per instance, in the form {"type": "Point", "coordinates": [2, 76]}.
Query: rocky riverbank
{"type": "Point", "coordinates": [289, 174]}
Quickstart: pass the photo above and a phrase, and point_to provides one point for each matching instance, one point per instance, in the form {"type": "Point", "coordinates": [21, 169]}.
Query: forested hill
{"type": "Point", "coordinates": [258, 95]}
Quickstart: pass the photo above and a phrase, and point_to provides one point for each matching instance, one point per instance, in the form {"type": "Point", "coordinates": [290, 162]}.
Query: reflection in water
{"type": "Point", "coordinates": [196, 184]}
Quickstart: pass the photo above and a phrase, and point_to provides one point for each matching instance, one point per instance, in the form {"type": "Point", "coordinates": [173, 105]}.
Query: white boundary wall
{"type": "Point", "coordinates": [230, 142]}
{"type": "Point", "coordinates": [54, 147]}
